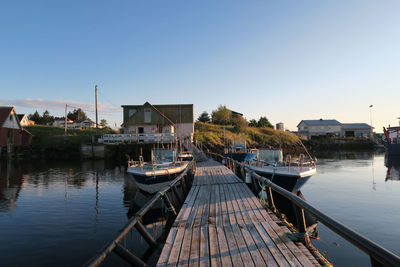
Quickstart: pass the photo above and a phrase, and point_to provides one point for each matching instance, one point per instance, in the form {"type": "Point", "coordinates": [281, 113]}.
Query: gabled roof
{"type": "Point", "coordinates": [4, 112]}
{"type": "Point", "coordinates": [356, 126]}
{"type": "Point", "coordinates": [20, 116]}
{"type": "Point", "coordinates": [79, 121]}
{"type": "Point", "coordinates": [319, 122]}
{"type": "Point", "coordinates": [162, 114]}
{"type": "Point", "coordinates": [62, 119]}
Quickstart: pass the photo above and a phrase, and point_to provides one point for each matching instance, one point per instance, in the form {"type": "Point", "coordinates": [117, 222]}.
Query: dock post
{"type": "Point", "coordinates": [168, 203]}
{"type": "Point", "coordinates": [128, 256]}
{"type": "Point", "coordinates": [176, 194]}
{"type": "Point", "coordinates": [142, 230]}
{"type": "Point", "coordinates": [301, 222]}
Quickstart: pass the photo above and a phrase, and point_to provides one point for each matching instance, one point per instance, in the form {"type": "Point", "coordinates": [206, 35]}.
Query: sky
{"type": "Point", "coordinates": [286, 60]}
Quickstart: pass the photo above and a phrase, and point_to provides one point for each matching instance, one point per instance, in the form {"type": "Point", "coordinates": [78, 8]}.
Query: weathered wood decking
{"type": "Point", "coordinates": [222, 223]}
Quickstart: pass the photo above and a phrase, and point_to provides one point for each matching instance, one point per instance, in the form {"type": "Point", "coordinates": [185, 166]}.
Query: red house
{"type": "Point", "coordinates": [12, 135]}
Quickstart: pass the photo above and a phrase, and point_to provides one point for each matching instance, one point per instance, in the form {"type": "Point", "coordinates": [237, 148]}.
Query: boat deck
{"type": "Point", "coordinates": [222, 223]}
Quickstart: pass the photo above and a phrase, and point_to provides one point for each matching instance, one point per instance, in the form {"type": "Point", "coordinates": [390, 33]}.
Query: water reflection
{"type": "Point", "coordinates": [12, 178]}
{"type": "Point", "coordinates": [393, 167]}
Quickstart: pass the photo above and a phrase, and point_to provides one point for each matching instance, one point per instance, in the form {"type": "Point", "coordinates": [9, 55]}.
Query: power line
{"type": "Point", "coordinates": [109, 100]}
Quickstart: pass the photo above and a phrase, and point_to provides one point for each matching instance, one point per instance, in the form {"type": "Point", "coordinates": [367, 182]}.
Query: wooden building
{"type": "Point", "coordinates": [12, 134]}
{"type": "Point", "coordinates": [24, 120]}
{"type": "Point", "coordinates": [152, 119]}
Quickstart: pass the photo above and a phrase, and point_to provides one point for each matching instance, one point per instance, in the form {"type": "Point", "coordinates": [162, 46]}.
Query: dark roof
{"type": "Point", "coordinates": [236, 113]}
{"type": "Point", "coordinates": [4, 112]}
{"type": "Point", "coordinates": [356, 126]}
{"type": "Point", "coordinates": [20, 116]}
{"type": "Point", "coordinates": [320, 122]}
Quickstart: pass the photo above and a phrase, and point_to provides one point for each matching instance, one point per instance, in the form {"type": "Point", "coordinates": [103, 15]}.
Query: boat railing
{"type": "Point", "coordinates": [115, 139]}
{"type": "Point", "coordinates": [288, 161]}
{"type": "Point", "coordinates": [171, 199]}
{"type": "Point", "coordinates": [379, 256]}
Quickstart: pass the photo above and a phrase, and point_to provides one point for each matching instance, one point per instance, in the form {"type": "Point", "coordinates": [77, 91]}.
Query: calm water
{"type": "Point", "coordinates": [353, 188]}
{"type": "Point", "coordinates": [61, 213]}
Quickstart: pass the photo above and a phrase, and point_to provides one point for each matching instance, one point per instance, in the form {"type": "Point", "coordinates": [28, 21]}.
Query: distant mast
{"type": "Point", "coordinates": [95, 89]}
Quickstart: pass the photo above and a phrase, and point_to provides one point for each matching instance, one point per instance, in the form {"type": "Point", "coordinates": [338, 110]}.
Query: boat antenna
{"type": "Point", "coordinates": [305, 149]}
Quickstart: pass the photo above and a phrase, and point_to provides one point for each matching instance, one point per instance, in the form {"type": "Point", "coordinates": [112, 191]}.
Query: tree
{"type": "Point", "coordinates": [222, 116]}
{"type": "Point", "coordinates": [240, 124]}
{"type": "Point", "coordinates": [204, 117]}
{"type": "Point", "coordinates": [46, 118]}
{"type": "Point", "coordinates": [77, 114]}
{"type": "Point", "coordinates": [253, 123]}
{"type": "Point", "coordinates": [264, 122]}
{"type": "Point", "coordinates": [35, 117]}
{"type": "Point", "coordinates": [103, 123]}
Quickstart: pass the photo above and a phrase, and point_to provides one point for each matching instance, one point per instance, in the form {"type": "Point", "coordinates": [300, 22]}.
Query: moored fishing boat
{"type": "Point", "coordinates": [240, 153]}
{"type": "Point", "coordinates": [185, 156]}
{"type": "Point", "coordinates": [391, 140]}
{"type": "Point", "coordinates": [289, 174]}
{"type": "Point", "coordinates": [153, 176]}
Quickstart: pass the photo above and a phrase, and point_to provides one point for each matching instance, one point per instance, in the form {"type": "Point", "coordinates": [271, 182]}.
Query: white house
{"type": "Point", "coordinates": [310, 128]}
{"type": "Point", "coordinates": [357, 130]}
{"type": "Point", "coordinates": [60, 122]}
{"type": "Point", "coordinates": [24, 121]}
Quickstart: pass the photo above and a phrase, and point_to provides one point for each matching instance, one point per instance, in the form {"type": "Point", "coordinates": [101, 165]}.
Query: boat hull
{"type": "Point", "coordinates": [153, 180]}
{"type": "Point", "coordinates": [291, 181]}
{"type": "Point", "coordinates": [393, 149]}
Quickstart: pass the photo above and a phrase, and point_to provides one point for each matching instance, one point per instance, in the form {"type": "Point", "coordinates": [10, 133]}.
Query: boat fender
{"type": "Point", "coordinates": [248, 178]}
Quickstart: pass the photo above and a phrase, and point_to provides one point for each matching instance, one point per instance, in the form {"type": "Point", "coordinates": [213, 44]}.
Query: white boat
{"type": "Point", "coordinates": [291, 175]}
{"type": "Point", "coordinates": [153, 176]}
{"type": "Point", "coordinates": [185, 156]}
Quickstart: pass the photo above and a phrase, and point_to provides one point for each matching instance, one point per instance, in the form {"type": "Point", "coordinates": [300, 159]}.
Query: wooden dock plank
{"type": "Point", "coordinates": [232, 245]}
{"type": "Point", "coordinates": [222, 223]}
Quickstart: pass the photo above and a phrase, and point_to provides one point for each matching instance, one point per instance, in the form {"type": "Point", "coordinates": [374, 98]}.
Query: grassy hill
{"type": "Point", "coordinates": [213, 137]}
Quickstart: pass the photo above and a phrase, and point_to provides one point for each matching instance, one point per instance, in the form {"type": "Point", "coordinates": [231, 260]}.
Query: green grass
{"type": "Point", "coordinates": [213, 137]}
{"type": "Point", "coordinates": [48, 137]}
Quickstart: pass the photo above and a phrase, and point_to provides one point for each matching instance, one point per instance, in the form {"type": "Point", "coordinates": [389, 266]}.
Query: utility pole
{"type": "Point", "coordinates": [65, 122]}
{"type": "Point", "coordinates": [95, 89]}
{"type": "Point", "coordinates": [370, 120]}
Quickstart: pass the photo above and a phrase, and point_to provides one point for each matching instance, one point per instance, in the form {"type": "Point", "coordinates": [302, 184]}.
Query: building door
{"type": "Point", "coordinates": [140, 130]}
{"type": "Point", "coordinates": [349, 134]}
{"type": "Point", "coordinates": [10, 137]}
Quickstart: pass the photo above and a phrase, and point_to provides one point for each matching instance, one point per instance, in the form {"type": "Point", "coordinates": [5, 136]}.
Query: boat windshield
{"type": "Point", "coordinates": [163, 155]}
{"type": "Point", "coordinates": [268, 155]}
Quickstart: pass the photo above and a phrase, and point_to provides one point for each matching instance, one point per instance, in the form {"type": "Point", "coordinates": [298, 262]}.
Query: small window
{"type": "Point", "coordinates": [131, 112]}
{"type": "Point", "coordinates": [147, 115]}
{"type": "Point", "coordinates": [10, 117]}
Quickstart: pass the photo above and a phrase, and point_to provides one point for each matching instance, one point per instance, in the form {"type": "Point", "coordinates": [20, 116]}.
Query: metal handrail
{"type": "Point", "coordinates": [135, 220]}
{"type": "Point", "coordinates": [379, 255]}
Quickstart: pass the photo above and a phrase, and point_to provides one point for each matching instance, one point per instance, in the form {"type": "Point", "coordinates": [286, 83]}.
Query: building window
{"type": "Point", "coordinates": [147, 115]}
{"type": "Point", "coordinates": [131, 112]}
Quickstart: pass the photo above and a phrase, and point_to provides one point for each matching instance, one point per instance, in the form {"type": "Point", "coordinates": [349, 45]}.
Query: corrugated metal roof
{"type": "Point", "coordinates": [355, 126]}
{"type": "Point", "coordinates": [320, 122]}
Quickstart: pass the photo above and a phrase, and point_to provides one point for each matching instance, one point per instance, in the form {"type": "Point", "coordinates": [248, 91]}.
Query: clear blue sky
{"type": "Point", "coordinates": [287, 60]}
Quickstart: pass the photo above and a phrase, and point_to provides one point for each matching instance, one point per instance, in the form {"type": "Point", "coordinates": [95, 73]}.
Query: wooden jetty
{"type": "Point", "coordinates": [222, 223]}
